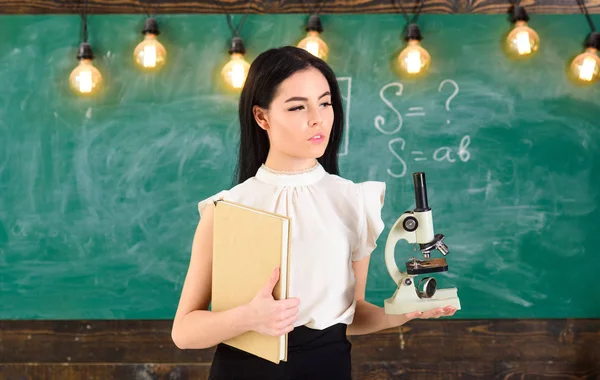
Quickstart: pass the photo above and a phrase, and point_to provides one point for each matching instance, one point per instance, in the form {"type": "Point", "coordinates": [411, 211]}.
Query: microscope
{"type": "Point", "coordinates": [416, 227]}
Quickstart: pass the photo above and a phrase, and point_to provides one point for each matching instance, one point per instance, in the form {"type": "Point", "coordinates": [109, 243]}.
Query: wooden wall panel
{"type": "Point", "coordinates": [428, 349]}
{"type": "Point", "coordinates": [287, 6]}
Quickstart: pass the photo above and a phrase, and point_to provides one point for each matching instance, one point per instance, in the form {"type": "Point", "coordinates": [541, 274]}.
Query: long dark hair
{"type": "Point", "coordinates": [265, 75]}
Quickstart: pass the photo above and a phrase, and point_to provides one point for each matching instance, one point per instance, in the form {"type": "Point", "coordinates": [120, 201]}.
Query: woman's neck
{"type": "Point", "coordinates": [289, 164]}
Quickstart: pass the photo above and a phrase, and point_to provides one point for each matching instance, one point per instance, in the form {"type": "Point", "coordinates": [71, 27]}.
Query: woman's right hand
{"type": "Point", "coordinates": [270, 316]}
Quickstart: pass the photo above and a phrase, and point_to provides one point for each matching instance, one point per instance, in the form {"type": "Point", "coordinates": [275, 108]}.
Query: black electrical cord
{"type": "Point", "coordinates": [587, 14]}
{"type": "Point", "coordinates": [593, 39]}
{"type": "Point", "coordinates": [314, 21]}
{"type": "Point", "coordinates": [151, 26]}
{"type": "Point", "coordinates": [84, 31]}
{"type": "Point", "coordinates": [153, 13]}
{"type": "Point", "coordinates": [412, 29]}
{"type": "Point", "coordinates": [316, 9]}
{"type": "Point", "coordinates": [234, 31]}
{"type": "Point", "coordinates": [85, 50]}
{"type": "Point", "coordinates": [416, 12]}
{"type": "Point", "coordinates": [237, 44]}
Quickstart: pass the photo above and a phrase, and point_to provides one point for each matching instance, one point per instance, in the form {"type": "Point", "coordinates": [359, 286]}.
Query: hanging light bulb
{"type": "Point", "coordinates": [414, 59]}
{"type": "Point", "coordinates": [586, 66]}
{"type": "Point", "coordinates": [85, 78]}
{"type": "Point", "coordinates": [150, 54]}
{"type": "Point", "coordinates": [235, 71]}
{"type": "Point", "coordinates": [522, 41]}
{"type": "Point", "coordinates": [313, 42]}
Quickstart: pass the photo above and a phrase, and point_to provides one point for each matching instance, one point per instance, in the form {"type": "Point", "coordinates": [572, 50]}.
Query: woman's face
{"type": "Point", "coordinates": [300, 110]}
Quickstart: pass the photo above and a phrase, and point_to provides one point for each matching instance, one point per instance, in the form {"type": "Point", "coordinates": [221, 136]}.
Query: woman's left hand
{"type": "Point", "coordinates": [433, 313]}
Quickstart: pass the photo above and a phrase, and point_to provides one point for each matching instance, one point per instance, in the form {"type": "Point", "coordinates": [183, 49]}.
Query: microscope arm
{"type": "Point", "coordinates": [397, 233]}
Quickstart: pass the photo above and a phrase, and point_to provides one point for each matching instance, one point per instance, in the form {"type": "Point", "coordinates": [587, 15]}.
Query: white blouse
{"type": "Point", "coordinates": [334, 221]}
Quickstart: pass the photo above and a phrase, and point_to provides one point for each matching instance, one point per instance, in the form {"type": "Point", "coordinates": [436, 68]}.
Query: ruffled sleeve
{"type": "Point", "coordinates": [202, 204]}
{"type": "Point", "coordinates": [372, 195]}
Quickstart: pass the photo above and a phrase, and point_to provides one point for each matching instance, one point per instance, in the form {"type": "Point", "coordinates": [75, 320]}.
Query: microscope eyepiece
{"type": "Point", "coordinates": [420, 192]}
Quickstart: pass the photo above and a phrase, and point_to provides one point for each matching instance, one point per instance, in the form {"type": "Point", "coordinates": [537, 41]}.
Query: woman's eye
{"type": "Point", "coordinates": [299, 108]}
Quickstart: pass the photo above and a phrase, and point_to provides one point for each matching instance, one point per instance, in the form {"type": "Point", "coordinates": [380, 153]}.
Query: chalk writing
{"type": "Point", "coordinates": [397, 145]}
{"type": "Point", "coordinates": [451, 96]}
{"type": "Point", "coordinates": [346, 100]}
{"type": "Point", "coordinates": [380, 120]}
{"type": "Point", "coordinates": [444, 153]}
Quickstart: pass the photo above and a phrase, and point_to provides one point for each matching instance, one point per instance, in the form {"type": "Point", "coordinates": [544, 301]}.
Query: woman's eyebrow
{"type": "Point", "coordinates": [301, 99]}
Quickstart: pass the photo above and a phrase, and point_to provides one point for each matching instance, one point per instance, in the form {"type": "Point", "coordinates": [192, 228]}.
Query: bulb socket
{"type": "Point", "coordinates": [314, 24]}
{"type": "Point", "coordinates": [518, 13]}
{"type": "Point", "coordinates": [413, 33]}
{"type": "Point", "coordinates": [85, 51]}
{"type": "Point", "coordinates": [593, 40]}
{"type": "Point", "coordinates": [151, 27]}
{"type": "Point", "coordinates": [237, 46]}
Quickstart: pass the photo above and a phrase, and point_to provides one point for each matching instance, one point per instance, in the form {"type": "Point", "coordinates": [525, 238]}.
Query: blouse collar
{"type": "Point", "coordinates": [297, 178]}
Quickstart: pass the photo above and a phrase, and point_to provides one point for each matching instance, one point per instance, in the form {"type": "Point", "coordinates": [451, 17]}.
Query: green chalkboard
{"type": "Point", "coordinates": [98, 196]}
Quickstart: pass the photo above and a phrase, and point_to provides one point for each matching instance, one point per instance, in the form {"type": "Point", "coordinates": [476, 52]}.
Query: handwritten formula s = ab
{"type": "Point", "coordinates": [397, 145]}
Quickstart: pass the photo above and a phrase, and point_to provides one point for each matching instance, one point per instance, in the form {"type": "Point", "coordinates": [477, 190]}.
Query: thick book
{"type": "Point", "coordinates": [248, 244]}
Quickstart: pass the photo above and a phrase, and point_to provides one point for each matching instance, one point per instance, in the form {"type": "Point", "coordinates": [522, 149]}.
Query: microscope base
{"type": "Point", "coordinates": [406, 300]}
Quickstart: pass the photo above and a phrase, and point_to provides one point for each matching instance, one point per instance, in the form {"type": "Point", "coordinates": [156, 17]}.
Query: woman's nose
{"type": "Point", "coordinates": [314, 119]}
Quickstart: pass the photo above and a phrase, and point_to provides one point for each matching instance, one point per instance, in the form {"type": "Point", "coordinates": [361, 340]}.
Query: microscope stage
{"type": "Point", "coordinates": [426, 266]}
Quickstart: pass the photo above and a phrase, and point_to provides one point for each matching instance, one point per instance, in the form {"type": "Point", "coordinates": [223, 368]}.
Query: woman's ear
{"type": "Point", "coordinates": [260, 115]}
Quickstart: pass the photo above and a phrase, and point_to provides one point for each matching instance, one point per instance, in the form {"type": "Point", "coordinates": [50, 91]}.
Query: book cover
{"type": "Point", "coordinates": [247, 245]}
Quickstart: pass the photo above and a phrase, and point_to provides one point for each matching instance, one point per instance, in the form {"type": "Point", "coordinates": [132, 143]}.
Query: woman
{"type": "Point", "coordinates": [291, 121]}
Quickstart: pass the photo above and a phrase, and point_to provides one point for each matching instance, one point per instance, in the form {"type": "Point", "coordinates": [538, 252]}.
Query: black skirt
{"type": "Point", "coordinates": [312, 355]}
